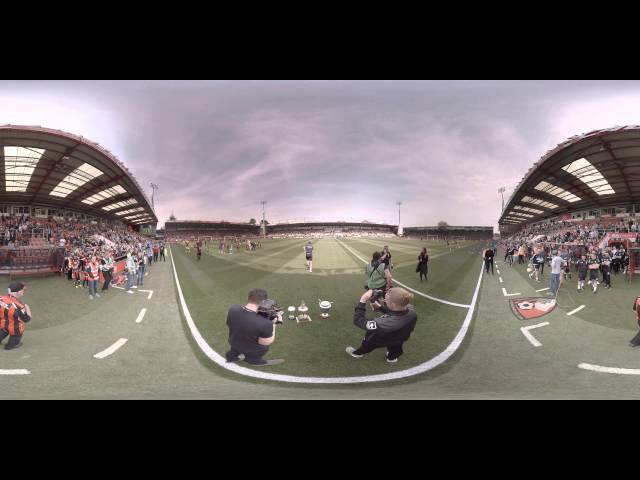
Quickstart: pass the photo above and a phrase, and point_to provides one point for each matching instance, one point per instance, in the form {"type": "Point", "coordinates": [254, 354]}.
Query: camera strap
{"type": "Point", "coordinates": [374, 269]}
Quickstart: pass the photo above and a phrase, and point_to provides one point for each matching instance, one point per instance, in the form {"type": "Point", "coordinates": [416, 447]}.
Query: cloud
{"type": "Point", "coordinates": [326, 150]}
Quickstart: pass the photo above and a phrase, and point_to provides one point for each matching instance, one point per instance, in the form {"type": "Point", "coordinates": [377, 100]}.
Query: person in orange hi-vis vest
{"type": "Point", "coordinates": [13, 316]}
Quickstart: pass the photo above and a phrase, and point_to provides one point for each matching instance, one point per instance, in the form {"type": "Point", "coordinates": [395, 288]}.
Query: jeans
{"type": "Point", "coordinates": [129, 280]}
{"type": "Point", "coordinates": [554, 283]}
{"type": "Point", "coordinates": [93, 287]}
{"type": "Point", "coordinates": [141, 276]}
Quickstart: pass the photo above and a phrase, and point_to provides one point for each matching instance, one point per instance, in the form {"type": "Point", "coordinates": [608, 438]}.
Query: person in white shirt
{"type": "Point", "coordinates": [556, 270]}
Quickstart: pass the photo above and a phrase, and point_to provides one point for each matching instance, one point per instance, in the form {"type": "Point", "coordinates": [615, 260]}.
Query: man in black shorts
{"type": "Point", "coordinates": [582, 268]}
{"type": "Point", "coordinates": [308, 250]}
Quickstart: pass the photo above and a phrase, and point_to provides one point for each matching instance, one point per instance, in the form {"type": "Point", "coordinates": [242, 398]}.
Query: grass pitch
{"type": "Point", "coordinates": [212, 284]}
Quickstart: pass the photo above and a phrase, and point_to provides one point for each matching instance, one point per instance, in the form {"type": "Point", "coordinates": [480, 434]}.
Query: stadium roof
{"type": "Point", "coordinates": [58, 169]}
{"type": "Point", "coordinates": [593, 170]}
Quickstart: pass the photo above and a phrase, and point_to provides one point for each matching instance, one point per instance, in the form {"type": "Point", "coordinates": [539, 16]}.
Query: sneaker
{"type": "Point", "coordinates": [240, 358]}
{"type": "Point", "coordinates": [98, 295]}
{"type": "Point", "coordinates": [130, 291]}
{"type": "Point", "coordinates": [90, 297]}
{"type": "Point", "coordinates": [135, 286]}
{"type": "Point", "coordinates": [390, 360]}
{"type": "Point", "coordinates": [274, 361]}
{"type": "Point", "coordinates": [350, 351]}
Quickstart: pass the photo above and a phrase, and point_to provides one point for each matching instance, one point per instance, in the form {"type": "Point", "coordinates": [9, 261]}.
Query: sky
{"type": "Point", "coordinates": [326, 150]}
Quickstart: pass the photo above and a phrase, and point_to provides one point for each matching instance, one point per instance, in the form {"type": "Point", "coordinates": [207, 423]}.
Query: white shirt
{"type": "Point", "coordinates": [556, 265]}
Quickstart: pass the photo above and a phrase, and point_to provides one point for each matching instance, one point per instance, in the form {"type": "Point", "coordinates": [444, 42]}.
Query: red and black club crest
{"type": "Point", "coordinates": [531, 307]}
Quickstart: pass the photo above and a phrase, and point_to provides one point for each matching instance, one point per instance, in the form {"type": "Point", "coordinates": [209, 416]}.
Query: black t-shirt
{"type": "Point", "coordinates": [245, 327]}
{"type": "Point", "coordinates": [488, 254]}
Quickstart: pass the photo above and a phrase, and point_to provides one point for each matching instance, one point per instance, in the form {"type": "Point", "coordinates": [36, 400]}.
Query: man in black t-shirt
{"type": "Point", "coordinates": [488, 259]}
{"type": "Point", "coordinates": [249, 333]}
{"type": "Point", "coordinates": [386, 258]}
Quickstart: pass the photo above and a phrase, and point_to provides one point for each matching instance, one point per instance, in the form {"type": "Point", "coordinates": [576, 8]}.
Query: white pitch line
{"type": "Point", "coordinates": [531, 338]}
{"type": "Point", "coordinates": [150, 293]}
{"type": "Point", "coordinates": [423, 367]}
{"type": "Point", "coordinates": [504, 292]}
{"type": "Point", "coordinates": [111, 350]}
{"type": "Point", "coordinates": [619, 371]}
{"type": "Point", "coordinates": [500, 278]}
{"type": "Point", "coordinates": [115, 286]}
{"type": "Point", "coordinates": [542, 289]}
{"type": "Point", "coordinates": [17, 371]}
{"type": "Point", "coordinates": [497, 271]}
{"type": "Point", "coordinates": [461, 305]}
{"type": "Point", "coordinates": [576, 310]}
{"type": "Point", "coordinates": [141, 315]}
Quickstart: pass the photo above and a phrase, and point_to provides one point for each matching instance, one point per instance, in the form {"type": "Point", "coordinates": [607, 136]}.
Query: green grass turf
{"type": "Point", "coordinates": [609, 308]}
{"type": "Point", "coordinates": [317, 349]}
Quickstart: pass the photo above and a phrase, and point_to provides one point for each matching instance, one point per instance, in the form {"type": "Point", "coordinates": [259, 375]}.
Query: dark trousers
{"type": "Point", "coordinates": [107, 280]}
{"type": "Point", "coordinates": [393, 351]}
{"type": "Point", "coordinates": [489, 262]}
{"type": "Point", "coordinates": [636, 340]}
{"type": "Point", "coordinates": [606, 277]}
{"type": "Point", "coordinates": [423, 272]}
{"type": "Point", "coordinates": [520, 259]}
{"type": "Point", "coordinates": [14, 340]}
{"type": "Point", "coordinates": [254, 358]}
{"type": "Point", "coordinates": [162, 255]}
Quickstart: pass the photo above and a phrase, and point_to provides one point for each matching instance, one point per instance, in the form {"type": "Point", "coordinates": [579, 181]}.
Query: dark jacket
{"type": "Point", "coordinates": [391, 328]}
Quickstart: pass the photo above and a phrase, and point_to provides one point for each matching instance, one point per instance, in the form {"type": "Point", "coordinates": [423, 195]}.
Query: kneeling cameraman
{"type": "Point", "coordinates": [250, 334]}
{"type": "Point", "coordinates": [390, 330]}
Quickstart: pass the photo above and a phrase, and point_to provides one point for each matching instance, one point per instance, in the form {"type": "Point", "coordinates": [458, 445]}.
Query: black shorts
{"type": "Point", "coordinates": [582, 276]}
{"type": "Point", "coordinates": [594, 274]}
{"type": "Point", "coordinates": [309, 257]}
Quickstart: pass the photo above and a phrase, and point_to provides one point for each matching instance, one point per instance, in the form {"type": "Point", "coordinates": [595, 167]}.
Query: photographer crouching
{"type": "Point", "coordinates": [252, 329]}
{"type": "Point", "coordinates": [390, 330]}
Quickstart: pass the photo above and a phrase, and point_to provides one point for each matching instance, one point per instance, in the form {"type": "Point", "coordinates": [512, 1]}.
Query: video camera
{"type": "Point", "coordinates": [377, 295]}
{"type": "Point", "coordinates": [269, 309]}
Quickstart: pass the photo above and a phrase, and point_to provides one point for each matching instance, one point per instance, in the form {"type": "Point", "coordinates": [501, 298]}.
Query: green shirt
{"type": "Point", "coordinates": [376, 279]}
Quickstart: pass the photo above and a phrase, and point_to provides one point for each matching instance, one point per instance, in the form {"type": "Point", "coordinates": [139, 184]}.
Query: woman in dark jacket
{"type": "Point", "coordinates": [423, 260]}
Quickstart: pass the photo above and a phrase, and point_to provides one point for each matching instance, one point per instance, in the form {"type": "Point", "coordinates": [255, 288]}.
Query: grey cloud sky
{"type": "Point", "coordinates": [326, 150]}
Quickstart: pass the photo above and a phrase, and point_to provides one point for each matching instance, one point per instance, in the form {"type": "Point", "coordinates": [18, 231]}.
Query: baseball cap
{"type": "Point", "coordinates": [16, 286]}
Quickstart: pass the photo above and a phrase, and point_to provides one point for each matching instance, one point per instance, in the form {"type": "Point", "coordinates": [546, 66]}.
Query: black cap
{"type": "Point", "coordinates": [16, 286]}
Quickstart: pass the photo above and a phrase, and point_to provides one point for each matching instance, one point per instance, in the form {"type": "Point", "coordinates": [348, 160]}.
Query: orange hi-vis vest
{"type": "Point", "coordinates": [9, 315]}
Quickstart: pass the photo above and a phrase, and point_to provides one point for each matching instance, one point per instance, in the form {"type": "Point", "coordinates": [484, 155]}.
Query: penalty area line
{"type": "Point", "coordinates": [17, 371]}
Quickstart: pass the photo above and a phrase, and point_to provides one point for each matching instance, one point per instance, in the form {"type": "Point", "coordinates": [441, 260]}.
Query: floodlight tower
{"type": "Point", "coordinates": [399, 226]}
{"type": "Point", "coordinates": [264, 225]}
{"type": "Point", "coordinates": [154, 187]}
{"type": "Point", "coordinates": [501, 191]}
